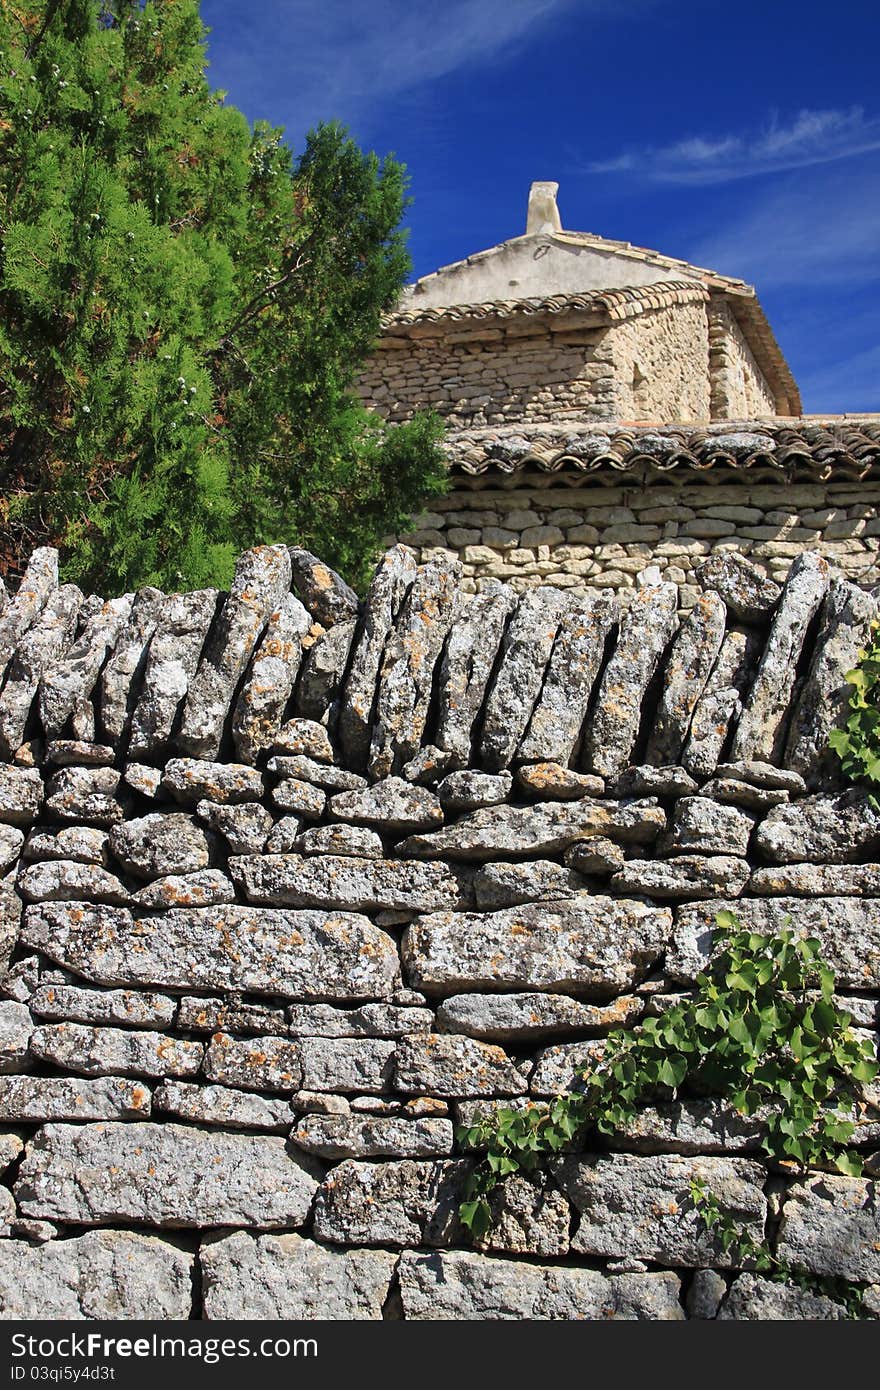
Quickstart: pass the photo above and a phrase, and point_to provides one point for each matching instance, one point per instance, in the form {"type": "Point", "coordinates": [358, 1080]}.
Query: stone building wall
{"type": "Point", "coordinates": [295, 884]}
{"type": "Point", "coordinates": [655, 365]}
{"type": "Point", "coordinates": [578, 533]}
{"type": "Point", "coordinates": [739, 390]}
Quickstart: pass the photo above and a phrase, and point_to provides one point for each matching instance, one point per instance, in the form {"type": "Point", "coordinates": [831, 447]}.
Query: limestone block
{"type": "Point", "coordinates": [831, 1225]}
{"type": "Point", "coordinates": [161, 843]}
{"type": "Point", "coordinates": [102, 1275]}
{"type": "Point", "coordinates": [556, 720]}
{"type": "Point", "coordinates": [36, 1099]}
{"type": "Point", "coordinates": [221, 1105]}
{"type": "Point", "coordinates": [394, 574]}
{"type": "Point", "coordinates": [259, 709]}
{"type": "Point", "coordinates": [350, 884]}
{"type": "Point", "coordinates": [544, 828]}
{"type": "Point", "coordinates": [178, 634]}
{"type": "Point", "coordinates": [96, 1051]}
{"type": "Point", "coordinates": [526, 646]}
{"type": "Point", "coordinates": [279, 1277]}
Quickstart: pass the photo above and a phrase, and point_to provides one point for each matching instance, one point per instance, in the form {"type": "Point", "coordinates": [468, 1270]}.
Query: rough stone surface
{"type": "Point", "coordinates": [405, 678]}
{"type": "Point", "coordinates": [691, 659]}
{"type": "Point", "coordinates": [259, 709]}
{"type": "Point", "coordinates": [38, 651]}
{"type": "Point", "coordinates": [163, 1175]}
{"type": "Point", "coordinates": [91, 1051]}
{"type": "Point", "coordinates": [649, 624]}
{"type": "Point", "coordinates": [460, 1285]}
{"type": "Point", "coordinates": [372, 1136]}
{"type": "Point", "coordinates": [325, 593]}
{"type": "Point", "coordinates": [686, 876]}
{"type": "Point", "coordinates": [817, 881]}
{"type": "Point", "coordinates": [336, 779]}
{"type": "Point", "coordinates": [283, 1277]}
{"type": "Point", "coordinates": [84, 794]}
{"type": "Point", "coordinates": [261, 581]}
{"type": "Point", "coordinates": [745, 589]}
{"type": "Point", "coordinates": [761, 728]}
{"type": "Point", "coordinates": [508, 885]}
{"type": "Point", "coordinates": [352, 884]}
{"type": "Point", "coordinates": [670, 781]}
{"type": "Point", "coordinates": [394, 575]}
{"type": "Point", "coordinates": [81, 842]}
{"type": "Point", "coordinates": [322, 672]}
{"type": "Point", "coordinates": [133, 1008]}
{"type": "Point", "coordinates": [552, 781]}
{"type": "Point", "coordinates": [38, 582]}
{"type": "Point", "coordinates": [559, 713]}
{"type": "Point", "coordinates": [73, 678]}
{"type": "Point", "coordinates": [355, 1065]}
{"type": "Point", "coordinates": [392, 804]}
{"type": "Point", "coordinates": [525, 651]}
{"type": "Point", "coordinates": [350, 841]}
{"type": "Point", "coordinates": [369, 1020]}
{"type": "Point", "coordinates": [595, 856]}
{"type": "Point", "coordinates": [116, 686]}
{"type": "Point", "coordinates": [515, 1017]}
{"type": "Point", "coordinates": [102, 1275]}
{"type": "Point", "coordinates": [36, 1099]}
{"type": "Point", "coordinates": [16, 1027]}
{"type": "Point", "coordinates": [260, 1064]}
{"type": "Point", "coordinates": [161, 843]}
{"type": "Point", "coordinates": [56, 879]}
{"type": "Point", "coordinates": [228, 1015]}
{"type": "Point", "coordinates": [719, 707]}
{"type": "Point", "coordinates": [468, 791]}
{"type": "Point", "coordinates": [642, 1207]}
{"type": "Point", "coordinates": [831, 1225]}
{"type": "Point", "coordinates": [466, 667]}
{"type": "Point", "coordinates": [539, 829]}
{"type": "Point", "coordinates": [588, 944]}
{"type": "Point", "coordinates": [700, 826]}
{"type": "Point", "coordinates": [753, 1299]}
{"type": "Point", "coordinates": [445, 1064]}
{"type": "Point", "coordinates": [11, 841]}
{"type": "Point", "coordinates": [221, 1105]}
{"type": "Point", "coordinates": [834, 829]}
{"type": "Point", "coordinates": [302, 798]}
{"type": "Point", "coordinates": [245, 827]}
{"type": "Point", "coordinates": [180, 630]}
{"type": "Point", "coordinates": [306, 955]}
{"type": "Point", "coordinates": [21, 795]}
{"type": "Point", "coordinates": [192, 780]}
{"type": "Point", "coordinates": [304, 738]}
{"type": "Point", "coordinates": [203, 889]}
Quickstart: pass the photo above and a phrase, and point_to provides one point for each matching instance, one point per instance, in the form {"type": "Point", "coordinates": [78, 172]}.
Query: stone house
{"type": "Point", "coordinates": [611, 409]}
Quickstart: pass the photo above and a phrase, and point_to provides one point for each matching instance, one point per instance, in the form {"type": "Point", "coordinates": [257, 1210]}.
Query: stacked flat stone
{"type": "Point", "coordinates": [294, 885]}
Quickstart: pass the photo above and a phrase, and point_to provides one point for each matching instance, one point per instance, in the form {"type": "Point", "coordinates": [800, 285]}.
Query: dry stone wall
{"type": "Point", "coordinates": [294, 883]}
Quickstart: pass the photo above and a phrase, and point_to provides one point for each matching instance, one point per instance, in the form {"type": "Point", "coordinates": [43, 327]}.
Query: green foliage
{"type": "Point", "coordinates": [183, 311]}
{"type": "Point", "coordinates": [761, 1032]}
{"type": "Point", "coordinates": [857, 744]}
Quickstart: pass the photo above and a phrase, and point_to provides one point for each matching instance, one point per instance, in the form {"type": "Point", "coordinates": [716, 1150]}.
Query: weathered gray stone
{"type": "Point", "coordinates": [269, 1278]}
{"type": "Point", "coordinates": [700, 826]}
{"type": "Point", "coordinates": [164, 1175]}
{"type": "Point", "coordinates": [101, 1275]}
{"type": "Point", "coordinates": [260, 1064]}
{"type": "Point", "coordinates": [832, 829]}
{"type": "Point", "coordinates": [704, 1296]}
{"type": "Point", "coordinates": [685, 876]}
{"type": "Point", "coordinates": [508, 885]}
{"type": "Point", "coordinates": [324, 592]}
{"type": "Point", "coordinates": [823, 702]}
{"type": "Point", "coordinates": [84, 794]}
{"type": "Point", "coordinates": [672, 781]}
{"type": "Point", "coordinates": [646, 630]}
{"type": "Point", "coordinates": [394, 574]}
{"type": "Point", "coordinates": [39, 581]}
{"type": "Point", "coordinates": [462, 1286]}
{"type": "Point", "coordinates": [405, 679]}
{"type": "Point", "coordinates": [91, 1051]}
{"type": "Point", "coordinates": [393, 804]}
{"type": "Point", "coordinates": [730, 792]}
{"type": "Point", "coordinates": [557, 783]}
{"type": "Point", "coordinates": [285, 836]}
{"type": "Point", "coordinates": [586, 944]}
{"type": "Point", "coordinates": [302, 798]}
{"type": "Point", "coordinates": [352, 884]}
{"type": "Point", "coordinates": [261, 581]}
{"type": "Point", "coordinates": [74, 677]}
{"type": "Point", "coordinates": [143, 779]}
{"type": "Point", "coordinates": [228, 1015]}
{"type": "Point", "coordinates": [642, 1207]}
{"type": "Point", "coordinates": [218, 1105]}
{"type": "Point", "coordinates": [206, 888]}
{"type": "Point", "coordinates": [594, 856]}
{"type": "Point", "coordinates": [831, 1225]}
{"type": "Point", "coordinates": [36, 1099]}
{"type": "Point", "coordinates": [10, 920]}
{"type": "Point", "coordinates": [525, 651]}
{"type": "Point", "coordinates": [763, 775]}
{"type": "Point", "coordinates": [259, 709]}
{"type": "Point", "coordinates": [428, 766]}
{"type": "Point", "coordinates": [761, 728]}
{"type": "Point", "coordinates": [38, 651]}
{"type": "Point", "coordinates": [719, 707]}
{"type": "Point", "coordinates": [848, 928]}
{"type": "Point", "coordinates": [74, 752]}
{"type": "Point", "coordinates": [117, 683]}
{"type": "Point", "coordinates": [690, 1127]}
{"type": "Point", "coordinates": [817, 881]}
{"type": "Point", "coordinates": [21, 795]}
{"type": "Point", "coordinates": [16, 1027]}
{"type": "Point", "coordinates": [544, 828]}
{"type": "Point", "coordinates": [11, 1145]}
{"type": "Point", "coordinates": [744, 587]}
{"type": "Point", "coordinates": [370, 1021]}
{"type": "Point", "coordinates": [446, 1064]}
{"type": "Point", "coordinates": [356, 1065]}
{"type": "Point", "coordinates": [161, 843]}
{"type": "Point", "coordinates": [300, 955]}
{"type": "Point", "coordinates": [373, 1136]}
{"type": "Point", "coordinates": [11, 842]}
{"type": "Point", "coordinates": [81, 842]}
{"type": "Point", "coordinates": [245, 826]}
{"type": "Point", "coordinates": [350, 841]}
{"type": "Point", "coordinates": [315, 1103]}
{"type": "Point", "coordinates": [559, 713]}
{"type": "Point", "coordinates": [62, 879]}
{"type": "Point", "coordinates": [303, 738]}
{"type": "Point", "coordinates": [557, 1069]}
{"type": "Point", "coordinates": [512, 1017]}
{"type": "Point", "coordinates": [467, 665]}
{"type": "Point", "coordinates": [468, 791]}
{"type": "Point", "coordinates": [692, 657]}
{"type": "Point", "coordinates": [191, 780]}
{"type": "Point", "coordinates": [133, 1008]}
{"type": "Point", "coordinates": [180, 629]}
{"type": "Point", "coordinates": [753, 1299]}
{"type": "Point", "coordinates": [322, 672]}
{"type": "Point", "coordinates": [336, 779]}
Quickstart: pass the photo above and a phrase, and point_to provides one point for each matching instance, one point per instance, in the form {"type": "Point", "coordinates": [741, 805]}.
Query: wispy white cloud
{"type": "Point", "coordinates": [344, 58]}
{"type": "Point", "coordinates": [808, 138]}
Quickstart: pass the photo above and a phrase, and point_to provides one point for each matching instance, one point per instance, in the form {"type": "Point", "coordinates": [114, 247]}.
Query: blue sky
{"type": "Point", "coordinates": [743, 137]}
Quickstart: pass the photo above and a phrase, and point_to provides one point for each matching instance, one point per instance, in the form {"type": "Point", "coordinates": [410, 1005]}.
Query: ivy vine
{"type": "Point", "coordinates": [857, 744]}
{"type": "Point", "coordinates": [761, 1032]}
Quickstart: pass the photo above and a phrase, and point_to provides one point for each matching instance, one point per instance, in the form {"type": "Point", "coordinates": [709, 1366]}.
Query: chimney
{"type": "Point", "coordinates": [543, 212]}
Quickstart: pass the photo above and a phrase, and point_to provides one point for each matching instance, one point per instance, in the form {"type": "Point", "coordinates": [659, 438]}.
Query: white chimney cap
{"type": "Point", "coordinates": [543, 212]}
